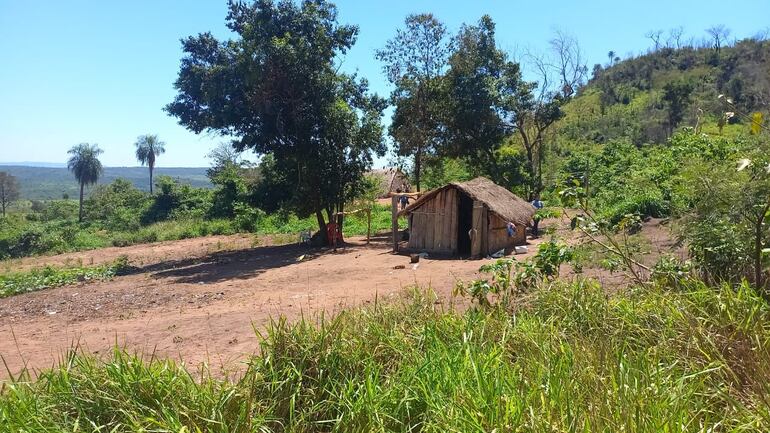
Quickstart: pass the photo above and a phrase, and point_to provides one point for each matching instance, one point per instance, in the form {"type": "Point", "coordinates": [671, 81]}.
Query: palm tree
{"type": "Point", "coordinates": [611, 55]}
{"type": "Point", "coordinates": [85, 165]}
{"type": "Point", "coordinates": [148, 147]}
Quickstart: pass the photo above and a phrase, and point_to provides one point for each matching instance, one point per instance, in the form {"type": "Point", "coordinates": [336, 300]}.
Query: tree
{"type": "Point", "coordinates": [9, 190]}
{"type": "Point", "coordinates": [85, 165]}
{"type": "Point", "coordinates": [654, 36]}
{"type": "Point", "coordinates": [276, 90]}
{"type": "Point", "coordinates": [414, 59]}
{"type": "Point", "coordinates": [675, 37]}
{"type": "Point", "coordinates": [676, 95]}
{"type": "Point", "coordinates": [611, 56]}
{"type": "Point", "coordinates": [149, 147]}
{"type": "Point", "coordinates": [569, 63]}
{"type": "Point", "coordinates": [480, 84]}
{"type": "Point", "coordinates": [488, 100]}
{"type": "Point", "coordinates": [719, 34]}
{"type": "Point", "coordinates": [737, 204]}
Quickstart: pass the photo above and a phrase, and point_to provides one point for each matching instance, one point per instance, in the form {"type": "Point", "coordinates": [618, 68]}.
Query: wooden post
{"type": "Point", "coordinates": [368, 225]}
{"type": "Point", "coordinates": [476, 229]}
{"type": "Point", "coordinates": [394, 222]}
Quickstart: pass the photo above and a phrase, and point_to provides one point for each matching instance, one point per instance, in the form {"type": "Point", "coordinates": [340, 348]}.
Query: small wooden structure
{"type": "Point", "coordinates": [467, 219]}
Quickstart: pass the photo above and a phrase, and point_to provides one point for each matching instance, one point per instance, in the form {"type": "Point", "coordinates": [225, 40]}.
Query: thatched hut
{"type": "Point", "coordinates": [391, 180]}
{"type": "Point", "coordinates": [468, 219]}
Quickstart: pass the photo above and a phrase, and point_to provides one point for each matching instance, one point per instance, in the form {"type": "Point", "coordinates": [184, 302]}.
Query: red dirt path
{"type": "Point", "coordinates": [190, 303]}
{"type": "Point", "coordinates": [201, 299]}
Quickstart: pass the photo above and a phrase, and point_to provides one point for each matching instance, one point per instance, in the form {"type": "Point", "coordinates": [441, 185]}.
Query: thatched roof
{"type": "Point", "coordinates": [498, 200]}
{"type": "Point", "coordinates": [390, 179]}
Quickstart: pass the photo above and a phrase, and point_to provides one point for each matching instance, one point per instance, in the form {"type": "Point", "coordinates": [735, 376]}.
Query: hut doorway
{"type": "Point", "coordinates": [464, 224]}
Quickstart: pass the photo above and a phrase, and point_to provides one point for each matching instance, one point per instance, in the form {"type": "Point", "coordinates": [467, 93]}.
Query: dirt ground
{"type": "Point", "coordinates": [200, 300]}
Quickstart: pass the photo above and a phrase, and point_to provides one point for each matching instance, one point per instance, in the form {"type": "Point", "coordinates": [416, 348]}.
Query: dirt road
{"type": "Point", "coordinates": [187, 302]}
{"type": "Point", "coordinates": [200, 300]}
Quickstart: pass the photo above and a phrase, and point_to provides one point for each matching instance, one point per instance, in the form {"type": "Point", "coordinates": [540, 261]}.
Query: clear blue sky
{"type": "Point", "coordinates": [101, 71]}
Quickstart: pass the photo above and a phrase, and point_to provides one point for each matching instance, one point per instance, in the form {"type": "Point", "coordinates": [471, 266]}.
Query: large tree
{"type": "Point", "coordinates": [9, 190]}
{"type": "Point", "coordinates": [149, 147]}
{"type": "Point", "coordinates": [275, 89]}
{"type": "Point", "coordinates": [489, 102]}
{"type": "Point", "coordinates": [413, 62]}
{"type": "Point", "coordinates": [85, 165]}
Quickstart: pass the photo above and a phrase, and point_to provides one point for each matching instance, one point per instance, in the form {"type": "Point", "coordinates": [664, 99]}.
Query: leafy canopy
{"type": "Point", "coordinates": [275, 89]}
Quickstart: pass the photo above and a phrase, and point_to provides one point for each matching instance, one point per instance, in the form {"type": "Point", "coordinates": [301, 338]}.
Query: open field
{"type": "Point", "coordinates": [45, 183]}
{"type": "Point", "coordinates": [202, 299]}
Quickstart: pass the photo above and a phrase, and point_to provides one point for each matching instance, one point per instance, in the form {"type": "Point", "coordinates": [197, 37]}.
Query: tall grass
{"type": "Point", "coordinates": [570, 359]}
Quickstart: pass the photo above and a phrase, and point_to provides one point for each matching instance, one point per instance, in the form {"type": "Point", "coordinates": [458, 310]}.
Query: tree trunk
{"type": "Point", "coordinates": [340, 216]}
{"type": "Point", "coordinates": [417, 167]}
{"type": "Point", "coordinates": [80, 212]}
{"type": "Point", "coordinates": [321, 227]}
{"type": "Point", "coordinates": [150, 180]}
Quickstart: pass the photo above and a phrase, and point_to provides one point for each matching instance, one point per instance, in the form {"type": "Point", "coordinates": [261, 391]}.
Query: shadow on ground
{"type": "Point", "coordinates": [241, 264]}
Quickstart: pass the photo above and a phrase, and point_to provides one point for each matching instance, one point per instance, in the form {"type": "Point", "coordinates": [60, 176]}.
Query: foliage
{"type": "Point", "coordinates": [510, 277]}
{"type": "Point", "coordinates": [117, 206]}
{"type": "Point", "coordinates": [174, 200]}
{"type": "Point", "coordinates": [729, 228]}
{"type": "Point", "coordinates": [85, 166]}
{"type": "Point", "coordinates": [671, 272]}
{"type": "Point", "coordinates": [443, 171]}
{"type": "Point", "coordinates": [414, 61]}
{"type": "Point", "coordinates": [9, 190]}
{"type": "Point", "coordinates": [49, 277]}
{"type": "Point", "coordinates": [571, 359]}
{"type": "Point", "coordinates": [148, 148]}
{"type": "Point", "coordinates": [276, 88]}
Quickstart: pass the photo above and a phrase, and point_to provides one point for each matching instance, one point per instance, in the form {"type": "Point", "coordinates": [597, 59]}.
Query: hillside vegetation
{"type": "Point", "coordinates": [644, 99]}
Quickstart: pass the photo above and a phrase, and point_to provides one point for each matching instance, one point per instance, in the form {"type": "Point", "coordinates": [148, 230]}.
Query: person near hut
{"type": "Point", "coordinates": [535, 220]}
{"type": "Point", "coordinates": [403, 200]}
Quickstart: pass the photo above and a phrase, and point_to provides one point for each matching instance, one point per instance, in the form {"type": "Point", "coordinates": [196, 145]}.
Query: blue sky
{"type": "Point", "coordinates": [101, 71]}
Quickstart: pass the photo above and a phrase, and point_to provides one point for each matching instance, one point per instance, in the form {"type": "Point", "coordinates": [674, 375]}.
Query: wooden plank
{"type": "Point", "coordinates": [476, 229]}
{"type": "Point", "coordinates": [446, 222]}
{"type": "Point", "coordinates": [430, 220]}
{"type": "Point", "coordinates": [484, 232]}
{"type": "Point", "coordinates": [453, 220]}
{"type": "Point", "coordinates": [438, 233]}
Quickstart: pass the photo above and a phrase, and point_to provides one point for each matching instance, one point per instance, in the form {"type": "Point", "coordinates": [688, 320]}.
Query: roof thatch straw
{"type": "Point", "coordinates": [390, 179]}
{"type": "Point", "coordinates": [498, 200]}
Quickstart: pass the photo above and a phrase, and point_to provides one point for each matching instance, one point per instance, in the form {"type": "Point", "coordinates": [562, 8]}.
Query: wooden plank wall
{"type": "Point", "coordinates": [434, 224]}
{"type": "Point", "coordinates": [498, 235]}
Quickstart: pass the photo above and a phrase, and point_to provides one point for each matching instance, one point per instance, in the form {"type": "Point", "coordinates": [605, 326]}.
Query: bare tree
{"type": "Point", "coordinates": [675, 37]}
{"type": "Point", "coordinates": [654, 36]}
{"type": "Point", "coordinates": [569, 62]}
{"type": "Point", "coordinates": [719, 34]}
{"type": "Point", "coordinates": [762, 35]}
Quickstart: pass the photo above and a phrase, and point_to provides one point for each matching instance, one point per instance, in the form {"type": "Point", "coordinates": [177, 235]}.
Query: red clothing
{"type": "Point", "coordinates": [333, 233]}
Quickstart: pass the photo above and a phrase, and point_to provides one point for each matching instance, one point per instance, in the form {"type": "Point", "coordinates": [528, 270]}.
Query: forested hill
{"type": "Point", "coordinates": [41, 183]}
{"type": "Point", "coordinates": [645, 98]}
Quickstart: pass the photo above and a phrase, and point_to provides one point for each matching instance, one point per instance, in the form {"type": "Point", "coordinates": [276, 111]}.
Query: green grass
{"type": "Point", "coordinates": [15, 283]}
{"type": "Point", "coordinates": [21, 238]}
{"type": "Point", "coordinates": [570, 359]}
{"type": "Point", "coordinates": [355, 224]}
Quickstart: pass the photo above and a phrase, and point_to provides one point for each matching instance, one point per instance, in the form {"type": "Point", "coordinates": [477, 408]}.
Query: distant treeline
{"type": "Point", "coordinates": [45, 183]}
